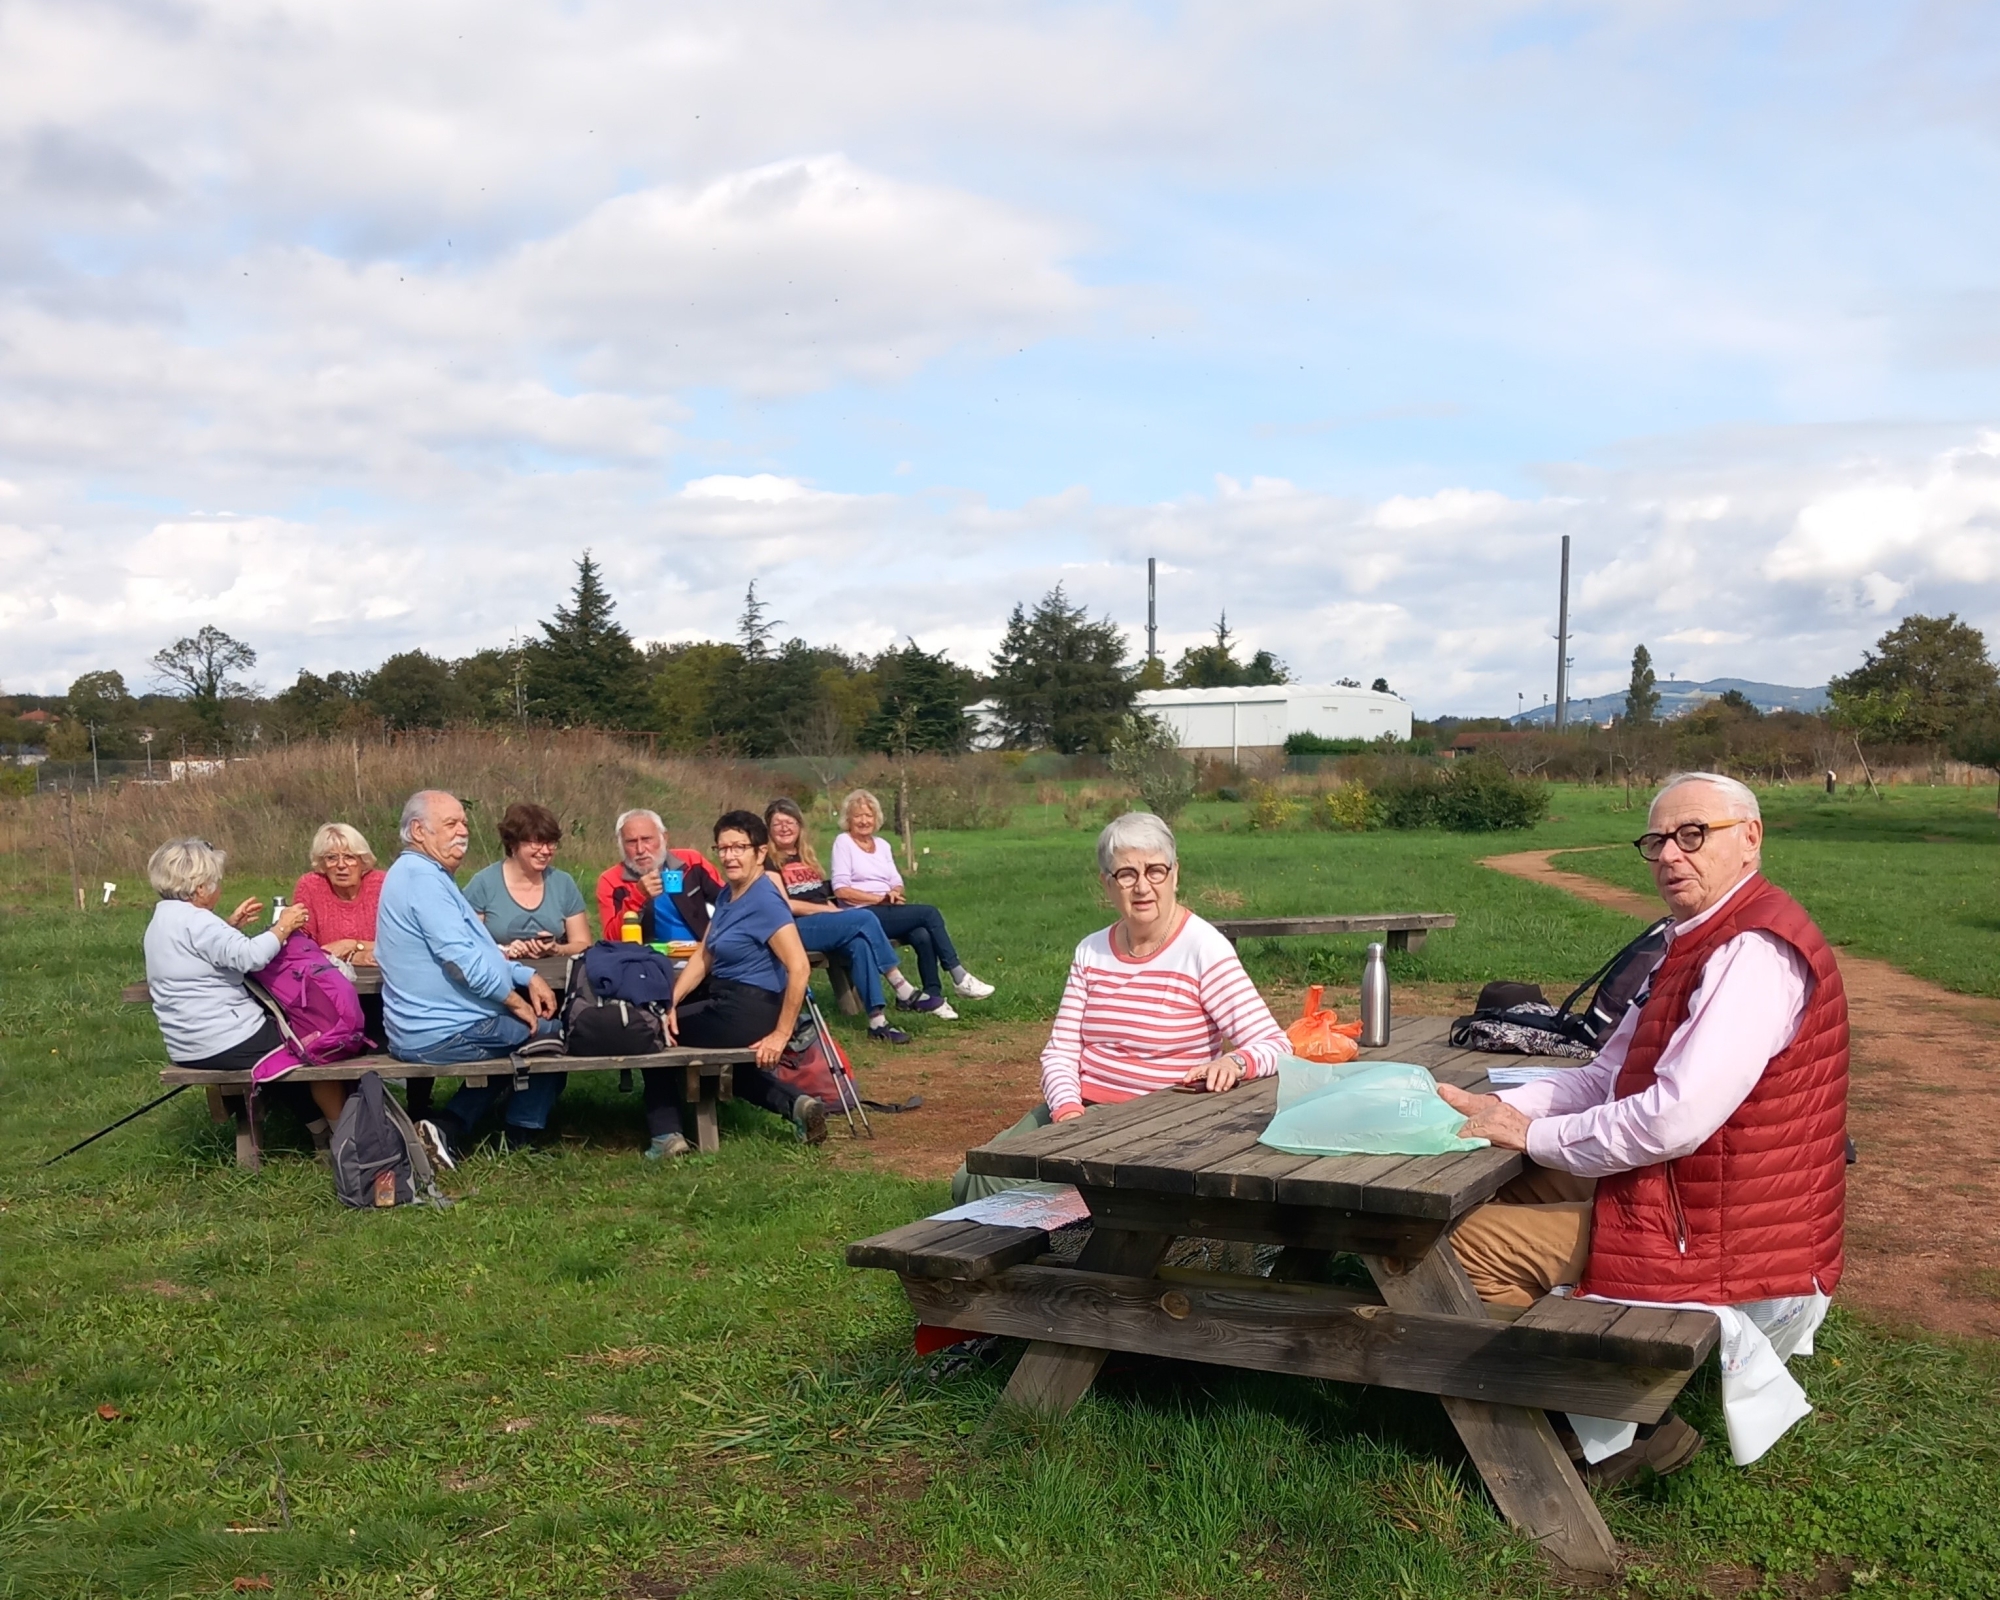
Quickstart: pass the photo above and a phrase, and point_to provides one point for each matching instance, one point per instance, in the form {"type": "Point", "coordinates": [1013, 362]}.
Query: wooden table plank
{"type": "Point", "coordinates": [1234, 928]}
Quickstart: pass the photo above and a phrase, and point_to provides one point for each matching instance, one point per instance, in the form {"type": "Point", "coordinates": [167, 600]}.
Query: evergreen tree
{"type": "Point", "coordinates": [1060, 679]}
{"type": "Point", "coordinates": [1214, 666]}
{"type": "Point", "coordinates": [1642, 699]}
{"type": "Point", "coordinates": [584, 671]}
{"type": "Point", "coordinates": [920, 703]}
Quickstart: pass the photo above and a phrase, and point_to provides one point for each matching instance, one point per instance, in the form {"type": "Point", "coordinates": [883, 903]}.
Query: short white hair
{"type": "Point", "coordinates": [183, 868]}
{"type": "Point", "coordinates": [860, 797]}
{"type": "Point", "coordinates": [618, 827]}
{"type": "Point", "coordinates": [334, 836]}
{"type": "Point", "coordinates": [1135, 830]}
{"type": "Point", "coordinates": [1738, 800]}
{"type": "Point", "coordinates": [418, 809]}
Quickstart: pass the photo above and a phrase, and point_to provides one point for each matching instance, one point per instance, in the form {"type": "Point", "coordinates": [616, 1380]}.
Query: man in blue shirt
{"type": "Point", "coordinates": [448, 995]}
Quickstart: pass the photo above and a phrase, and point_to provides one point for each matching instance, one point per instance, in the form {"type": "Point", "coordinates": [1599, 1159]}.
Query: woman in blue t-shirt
{"type": "Point", "coordinates": [741, 990]}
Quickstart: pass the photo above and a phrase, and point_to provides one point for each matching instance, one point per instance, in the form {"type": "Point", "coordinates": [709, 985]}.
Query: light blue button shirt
{"type": "Point", "coordinates": [441, 970]}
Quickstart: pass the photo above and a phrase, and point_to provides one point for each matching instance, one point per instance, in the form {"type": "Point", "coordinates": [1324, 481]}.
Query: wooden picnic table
{"type": "Point", "coordinates": [1407, 930]}
{"type": "Point", "coordinates": [707, 1081]}
{"type": "Point", "coordinates": [1168, 1166]}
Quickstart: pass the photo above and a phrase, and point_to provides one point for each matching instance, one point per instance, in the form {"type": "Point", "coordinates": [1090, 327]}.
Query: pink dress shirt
{"type": "Point", "coordinates": [1752, 996]}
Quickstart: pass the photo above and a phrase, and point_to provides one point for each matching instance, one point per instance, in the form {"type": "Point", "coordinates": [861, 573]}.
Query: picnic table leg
{"type": "Point", "coordinates": [247, 1156]}
{"type": "Point", "coordinates": [1407, 938]}
{"type": "Point", "coordinates": [844, 994]}
{"type": "Point", "coordinates": [701, 1092]}
{"type": "Point", "coordinates": [1053, 1377]}
{"type": "Point", "coordinates": [1524, 1465]}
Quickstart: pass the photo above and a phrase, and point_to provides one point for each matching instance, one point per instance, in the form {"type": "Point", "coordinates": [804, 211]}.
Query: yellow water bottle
{"type": "Point", "coordinates": [629, 931]}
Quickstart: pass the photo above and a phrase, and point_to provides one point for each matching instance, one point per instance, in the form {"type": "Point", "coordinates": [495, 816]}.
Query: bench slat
{"type": "Point", "coordinates": [958, 1248]}
{"type": "Point", "coordinates": [709, 1062]}
{"type": "Point", "coordinates": [1639, 1336]}
{"type": "Point", "coordinates": [1289, 927]}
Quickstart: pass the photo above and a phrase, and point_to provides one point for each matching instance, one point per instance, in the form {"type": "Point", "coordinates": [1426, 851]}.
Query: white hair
{"type": "Point", "coordinates": [860, 797]}
{"type": "Point", "coordinates": [1135, 830]}
{"type": "Point", "coordinates": [418, 809]}
{"type": "Point", "coordinates": [1738, 801]}
{"type": "Point", "coordinates": [183, 868]}
{"type": "Point", "coordinates": [618, 827]}
{"type": "Point", "coordinates": [339, 836]}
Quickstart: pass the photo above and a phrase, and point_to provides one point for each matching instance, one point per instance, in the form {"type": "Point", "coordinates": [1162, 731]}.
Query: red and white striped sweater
{"type": "Point", "coordinates": [1126, 1028]}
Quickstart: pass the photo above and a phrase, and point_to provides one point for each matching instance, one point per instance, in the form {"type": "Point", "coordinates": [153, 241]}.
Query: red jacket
{"type": "Point", "coordinates": [1756, 1212]}
{"type": "Point", "coordinates": [701, 887]}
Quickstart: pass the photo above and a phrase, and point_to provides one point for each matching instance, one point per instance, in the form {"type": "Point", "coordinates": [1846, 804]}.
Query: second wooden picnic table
{"type": "Point", "coordinates": [1170, 1165]}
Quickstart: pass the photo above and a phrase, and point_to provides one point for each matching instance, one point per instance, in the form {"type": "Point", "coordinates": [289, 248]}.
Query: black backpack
{"type": "Point", "coordinates": [378, 1158]}
{"type": "Point", "coordinates": [1515, 1019]}
{"type": "Point", "coordinates": [616, 1000]}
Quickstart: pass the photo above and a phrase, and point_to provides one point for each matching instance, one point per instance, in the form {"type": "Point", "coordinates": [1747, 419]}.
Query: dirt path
{"type": "Point", "coordinates": [1923, 1203]}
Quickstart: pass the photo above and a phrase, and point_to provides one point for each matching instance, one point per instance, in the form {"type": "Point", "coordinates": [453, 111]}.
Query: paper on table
{"type": "Point", "coordinates": [1509, 1077]}
{"type": "Point", "coordinates": [1046, 1206]}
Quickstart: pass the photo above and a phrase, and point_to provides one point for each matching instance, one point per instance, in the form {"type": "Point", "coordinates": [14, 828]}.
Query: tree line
{"type": "Point", "coordinates": [1060, 680]}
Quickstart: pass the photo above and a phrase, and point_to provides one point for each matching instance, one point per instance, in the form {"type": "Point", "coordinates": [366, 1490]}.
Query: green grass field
{"type": "Point", "coordinates": [592, 1379]}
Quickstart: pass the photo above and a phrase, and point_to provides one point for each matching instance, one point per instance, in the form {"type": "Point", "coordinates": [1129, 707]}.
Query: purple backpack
{"type": "Point", "coordinates": [321, 1013]}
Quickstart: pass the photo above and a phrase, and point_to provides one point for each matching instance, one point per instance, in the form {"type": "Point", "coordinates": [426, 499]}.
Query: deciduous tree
{"type": "Point", "coordinates": [1642, 698]}
{"type": "Point", "coordinates": [203, 670]}
{"type": "Point", "coordinates": [1925, 677]}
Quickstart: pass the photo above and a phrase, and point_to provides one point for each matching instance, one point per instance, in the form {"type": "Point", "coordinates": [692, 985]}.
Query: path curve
{"type": "Point", "coordinates": [1923, 1203]}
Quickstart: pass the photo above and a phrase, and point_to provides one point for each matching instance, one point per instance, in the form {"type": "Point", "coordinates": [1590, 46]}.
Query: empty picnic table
{"type": "Point", "coordinates": [1169, 1165]}
{"type": "Point", "coordinates": [706, 1085]}
{"type": "Point", "coordinates": [1407, 930]}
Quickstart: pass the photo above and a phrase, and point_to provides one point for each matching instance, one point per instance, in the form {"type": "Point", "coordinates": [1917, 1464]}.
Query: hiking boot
{"type": "Point", "coordinates": [809, 1117]}
{"type": "Point", "coordinates": [1671, 1445]}
{"type": "Point", "coordinates": [971, 988]}
{"type": "Point", "coordinates": [551, 1045]}
{"type": "Point", "coordinates": [882, 1033]}
{"type": "Point", "coordinates": [437, 1146]}
{"type": "Point", "coordinates": [667, 1147]}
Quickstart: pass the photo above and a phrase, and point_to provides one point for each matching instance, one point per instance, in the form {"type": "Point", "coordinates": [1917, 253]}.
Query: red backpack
{"type": "Point", "coordinates": [814, 1064]}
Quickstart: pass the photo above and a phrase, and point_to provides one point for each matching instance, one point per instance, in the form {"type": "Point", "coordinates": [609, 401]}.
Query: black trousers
{"type": "Point", "coordinates": [294, 1097]}
{"type": "Point", "coordinates": [720, 1015]}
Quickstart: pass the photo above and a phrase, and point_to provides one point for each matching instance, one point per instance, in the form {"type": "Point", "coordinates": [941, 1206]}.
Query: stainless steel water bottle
{"type": "Point", "coordinates": [1374, 1000]}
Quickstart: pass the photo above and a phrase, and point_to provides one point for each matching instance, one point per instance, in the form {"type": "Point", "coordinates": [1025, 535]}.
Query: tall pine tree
{"type": "Point", "coordinates": [1060, 679]}
{"type": "Point", "coordinates": [921, 703]}
{"type": "Point", "coordinates": [1642, 699]}
{"type": "Point", "coordinates": [584, 671]}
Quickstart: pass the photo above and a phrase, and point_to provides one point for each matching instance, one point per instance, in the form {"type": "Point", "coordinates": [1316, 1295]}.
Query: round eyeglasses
{"type": "Point", "coordinates": [1690, 836]}
{"type": "Point", "coordinates": [1157, 872]}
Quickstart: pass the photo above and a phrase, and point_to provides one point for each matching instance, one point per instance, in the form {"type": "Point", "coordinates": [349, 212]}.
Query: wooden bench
{"type": "Point", "coordinates": [1407, 930]}
{"type": "Point", "coordinates": [706, 1085]}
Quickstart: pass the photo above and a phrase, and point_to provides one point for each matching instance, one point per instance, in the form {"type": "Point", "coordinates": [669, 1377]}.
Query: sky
{"type": "Point", "coordinates": [348, 328]}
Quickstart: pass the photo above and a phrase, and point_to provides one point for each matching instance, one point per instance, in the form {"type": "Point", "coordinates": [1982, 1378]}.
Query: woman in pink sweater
{"type": "Point", "coordinates": [1158, 1000]}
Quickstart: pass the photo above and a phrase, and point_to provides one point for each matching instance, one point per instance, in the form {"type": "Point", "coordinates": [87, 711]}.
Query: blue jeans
{"type": "Point", "coordinates": [489, 1040]}
{"type": "Point", "coordinates": [859, 934]}
{"type": "Point", "coordinates": [922, 929]}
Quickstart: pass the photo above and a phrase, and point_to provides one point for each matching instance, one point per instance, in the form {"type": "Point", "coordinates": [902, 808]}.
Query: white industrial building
{"type": "Point", "coordinates": [1234, 724]}
{"type": "Point", "coordinates": [1239, 724]}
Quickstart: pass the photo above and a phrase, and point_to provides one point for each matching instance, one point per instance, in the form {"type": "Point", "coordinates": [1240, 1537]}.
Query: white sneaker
{"type": "Point", "coordinates": [971, 988]}
{"type": "Point", "coordinates": [436, 1145]}
{"type": "Point", "coordinates": [944, 1013]}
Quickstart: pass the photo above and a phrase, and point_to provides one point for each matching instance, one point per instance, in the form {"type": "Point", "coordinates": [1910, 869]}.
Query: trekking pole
{"type": "Point", "coordinates": [101, 1132]}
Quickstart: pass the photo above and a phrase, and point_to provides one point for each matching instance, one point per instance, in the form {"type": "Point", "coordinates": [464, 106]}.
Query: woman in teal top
{"type": "Point", "coordinates": [531, 908]}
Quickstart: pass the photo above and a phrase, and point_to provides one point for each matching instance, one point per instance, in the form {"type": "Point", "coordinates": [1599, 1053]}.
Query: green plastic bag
{"type": "Point", "coordinates": [1374, 1108]}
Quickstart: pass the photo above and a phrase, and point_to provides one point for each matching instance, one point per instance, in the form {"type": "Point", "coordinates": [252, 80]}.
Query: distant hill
{"type": "Point", "coordinates": [1678, 697]}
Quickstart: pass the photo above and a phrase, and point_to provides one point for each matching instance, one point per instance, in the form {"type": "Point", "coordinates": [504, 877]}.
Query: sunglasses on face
{"type": "Point", "coordinates": [1157, 872]}
{"type": "Point", "coordinates": [1690, 836]}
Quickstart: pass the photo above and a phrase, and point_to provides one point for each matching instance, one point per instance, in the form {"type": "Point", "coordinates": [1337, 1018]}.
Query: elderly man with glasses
{"type": "Point", "coordinates": [1700, 1160]}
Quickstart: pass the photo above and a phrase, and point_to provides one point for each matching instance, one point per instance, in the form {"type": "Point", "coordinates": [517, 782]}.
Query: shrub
{"type": "Point", "coordinates": [1146, 753]}
{"type": "Point", "coordinates": [1349, 809]}
{"type": "Point", "coordinates": [952, 793]}
{"type": "Point", "coordinates": [1271, 809]}
{"type": "Point", "coordinates": [1476, 796]}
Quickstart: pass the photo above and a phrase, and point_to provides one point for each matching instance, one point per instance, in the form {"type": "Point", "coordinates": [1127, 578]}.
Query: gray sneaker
{"type": "Point", "coordinates": [667, 1147]}
{"type": "Point", "coordinates": [809, 1117]}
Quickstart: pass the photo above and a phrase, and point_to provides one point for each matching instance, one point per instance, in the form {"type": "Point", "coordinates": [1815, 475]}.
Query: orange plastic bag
{"type": "Point", "coordinates": [1321, 1035]}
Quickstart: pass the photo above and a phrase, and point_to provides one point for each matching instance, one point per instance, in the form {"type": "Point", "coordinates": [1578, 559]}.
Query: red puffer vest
{"type": "Point", "coordinates": [1755, 1213]}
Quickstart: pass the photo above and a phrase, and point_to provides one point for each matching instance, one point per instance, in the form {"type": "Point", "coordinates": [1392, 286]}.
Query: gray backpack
{"type": "Point", "coordinates": [378, 1157]}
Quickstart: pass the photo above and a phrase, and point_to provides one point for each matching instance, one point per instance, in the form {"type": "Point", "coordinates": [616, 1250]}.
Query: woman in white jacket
{"type": "Point", "coordinates": [196, 961]}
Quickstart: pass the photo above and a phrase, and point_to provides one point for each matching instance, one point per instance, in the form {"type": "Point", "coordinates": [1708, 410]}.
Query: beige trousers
{"type": "Point", "coordinates": [1532, 1235]}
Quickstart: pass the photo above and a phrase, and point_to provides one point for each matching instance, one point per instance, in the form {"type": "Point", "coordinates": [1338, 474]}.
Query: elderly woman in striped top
{"type": "Point", "coordinates": [1158, 1000]}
